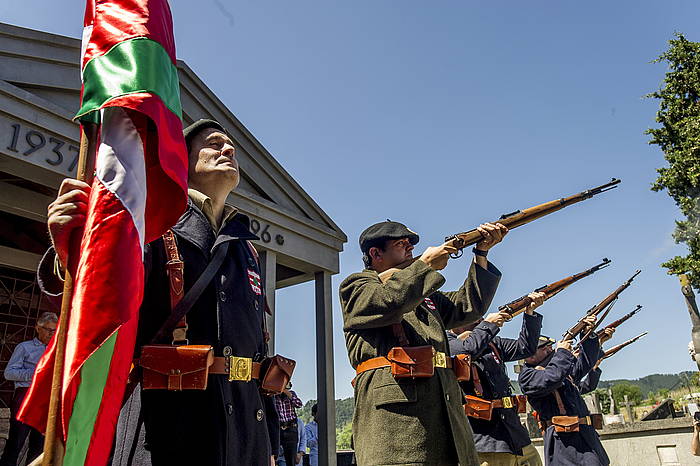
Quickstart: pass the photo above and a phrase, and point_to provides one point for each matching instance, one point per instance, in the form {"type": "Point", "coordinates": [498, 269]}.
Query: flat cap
{"type": "Point", "coordinates": [192, 130]}
{"type": "Point", "coordinates": [544, 341]}
{"type": "Point", "coordinates": [382, 231]}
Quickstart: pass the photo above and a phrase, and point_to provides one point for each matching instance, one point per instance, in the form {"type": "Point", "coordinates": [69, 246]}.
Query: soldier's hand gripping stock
{"type": "Point", "coordinates": [436, 257]}
{"type": "Point", "coordinates": [66, 214]}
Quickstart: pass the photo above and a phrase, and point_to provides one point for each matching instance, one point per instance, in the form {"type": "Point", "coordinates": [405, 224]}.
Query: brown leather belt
{"type": "Point", "coordinates": [241, 369]}
{"type": "Point", "coordinates": [439, 360]}
{"type": "Point", "coordinates": [505, 402]}
{"type": "Point", "coordinates": [585, 421]}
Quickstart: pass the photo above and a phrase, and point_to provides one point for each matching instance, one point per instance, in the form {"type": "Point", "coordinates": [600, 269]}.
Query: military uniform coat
{"type": "Point", "coordinates": [503, 433]}
{"type": "Point", "coordinates": [562, 371]}
{"type": "Point", "coordinates": [410, 421]}
{"type": "Point", "coordinates": [229, 423]}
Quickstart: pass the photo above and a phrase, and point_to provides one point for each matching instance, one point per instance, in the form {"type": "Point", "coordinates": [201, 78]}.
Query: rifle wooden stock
{"type": "Point", "coordinates": [623, 319]}
{"type": "Point", "coordinates": [617, 348]}
{"type": "Point", "coordinates": [517, 306]}
{"type": "Point", "coordinates": [512, 220]}
{"type": "Point", "coordinates": [597, 309]}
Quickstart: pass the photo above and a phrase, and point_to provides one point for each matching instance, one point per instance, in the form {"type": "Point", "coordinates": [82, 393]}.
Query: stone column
{"type": "Point", "coordinates": [324, 371]}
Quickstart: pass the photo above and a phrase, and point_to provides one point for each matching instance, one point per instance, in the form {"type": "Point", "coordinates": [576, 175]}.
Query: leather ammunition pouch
{"type": "Point", "coordinates": [461, 366]}
{"type": "Point", "coordinates": [596, 421]}
{"type": "Point", "coordinates": [521, 403]}
{"type": "Point", "coordinates": [167, 367]}
{"type": "Point", "coordinates": [478, 408]}
{"type": "Point", "coordinates": [565, 423]}
{"type": "Point", "coordinates": [411, 361]}
{"type": "Point", "coordinates": [277, 371]}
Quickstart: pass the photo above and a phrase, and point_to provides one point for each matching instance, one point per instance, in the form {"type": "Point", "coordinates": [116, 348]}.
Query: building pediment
{"type": "Point", "coordinates": [39, 94]}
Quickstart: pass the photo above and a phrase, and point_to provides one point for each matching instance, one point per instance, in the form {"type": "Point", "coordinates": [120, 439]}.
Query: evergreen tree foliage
{"type": "Point", "coordinates": [679, 138]}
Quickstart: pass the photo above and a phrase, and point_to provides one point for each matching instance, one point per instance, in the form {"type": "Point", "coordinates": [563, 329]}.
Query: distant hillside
{"type": "Point", "coordinates": [651, 383]}
{"type": "Point", "coordinates": [343, 411]}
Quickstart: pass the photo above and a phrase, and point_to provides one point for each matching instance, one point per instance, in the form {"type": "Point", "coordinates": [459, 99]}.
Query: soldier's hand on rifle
{"type": "Point", "coordinates": [67, 213]}
{"type": "Point", "coordinates": [597, 363]}
{"type": "Point", "coordinates": [564, 344]}
{"type": "Point", "coordinates": [491, 234]}
{"type": "Point", "coordinates": [606, 335]}
{"type": "Point", "coordinates": [436, 257]}
{"type": "Point", "coordinates": [537, 300]}
{"type": "Point", "coordinates": [498, 318]}
{"type": "Point", "coordinates": [589, 321]}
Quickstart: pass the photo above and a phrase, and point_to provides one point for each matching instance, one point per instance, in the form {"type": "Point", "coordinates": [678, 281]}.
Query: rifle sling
{"type": "Point", "coordinates": [186, 303]}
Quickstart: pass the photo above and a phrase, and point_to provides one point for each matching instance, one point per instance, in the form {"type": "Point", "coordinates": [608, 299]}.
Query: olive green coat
{"type": "Point", "coordinates": [410, 421]}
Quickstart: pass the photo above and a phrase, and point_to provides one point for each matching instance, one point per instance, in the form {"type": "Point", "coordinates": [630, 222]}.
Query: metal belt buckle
{"type": "Point", "coordinates": [240, 369]}
{"type": "Point", "coordinates": [439, 360]}
{"type": "Point", "coordinates": [507, 402]}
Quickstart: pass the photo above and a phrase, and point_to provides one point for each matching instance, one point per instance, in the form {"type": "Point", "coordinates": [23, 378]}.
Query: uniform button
{"type": "Point", "coordinates": [229, 408]}
{"type": "Point", "coordinates": [222, 296]}
{"type": "Point", "coordinates": [447, 397]}
{"type": "Point", "coordinates": [227, 351]}
{"type": "Point", "coordinates": [259, 415]}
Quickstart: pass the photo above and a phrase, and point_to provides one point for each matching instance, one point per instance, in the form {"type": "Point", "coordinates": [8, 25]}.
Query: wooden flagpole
{"type": "Point", "coordinates": [53, 446]}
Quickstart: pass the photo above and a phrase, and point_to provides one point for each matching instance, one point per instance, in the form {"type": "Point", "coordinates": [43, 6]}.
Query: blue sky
{"type": "Point", "coordinates": [447, 114]}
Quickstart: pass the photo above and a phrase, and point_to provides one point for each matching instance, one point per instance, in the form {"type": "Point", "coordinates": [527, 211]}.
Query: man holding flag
{"type": "Point", "coordinates": [122, 292]}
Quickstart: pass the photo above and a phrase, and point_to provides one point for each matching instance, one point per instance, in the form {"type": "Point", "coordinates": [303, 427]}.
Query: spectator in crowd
{"type": "Point", "coordinates": [301, 447]}
{"type": "Point", "coordinates": [286, 403]}
{"type": "Point", "coordinates": [20, 369]}
{"type": "Point", "coordinates": [311, 430]}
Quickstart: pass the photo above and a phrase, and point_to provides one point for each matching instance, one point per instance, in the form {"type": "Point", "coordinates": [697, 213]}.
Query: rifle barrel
{"type": "Point", "coordinates": [598, 308]}
{"type": "Point", "coordinates": [617, 348]}
{"type": "Point", "coordinates": [624, 318]}
{"type": "Point", "coordinates": [517, 306]}
{"type": "Point", "coordinates": [512, 220]}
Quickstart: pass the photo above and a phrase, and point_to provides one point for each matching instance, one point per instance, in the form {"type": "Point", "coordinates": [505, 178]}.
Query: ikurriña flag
{"type": "Point", "coordinates": [130, 87]}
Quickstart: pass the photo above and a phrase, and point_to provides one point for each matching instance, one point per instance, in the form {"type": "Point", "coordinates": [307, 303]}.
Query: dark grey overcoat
{"type": "Point", "coordinates": [229, 423]}
{"type": "Point", "coordinates": [405, 421]}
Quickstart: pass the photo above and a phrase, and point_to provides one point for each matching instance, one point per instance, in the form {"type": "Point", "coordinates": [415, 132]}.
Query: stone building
{"type": "Point", "coordinates": [39, 95]}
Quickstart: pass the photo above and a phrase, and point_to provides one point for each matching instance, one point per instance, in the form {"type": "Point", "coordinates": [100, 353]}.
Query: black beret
{"type": "Point", "coordinates": [544, 341]}
{"type": "Point", "coordinates": [191, 131]}
{"type": "Point", "coordinates": [383, 231]}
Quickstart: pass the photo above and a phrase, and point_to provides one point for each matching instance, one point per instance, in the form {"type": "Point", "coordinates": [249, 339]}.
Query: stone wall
{"type": "Point", "coordinates": [664, 442]}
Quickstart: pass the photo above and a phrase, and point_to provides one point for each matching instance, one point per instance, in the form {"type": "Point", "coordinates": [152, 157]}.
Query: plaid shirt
{"type": "Point", "coordinates": [285, 406]}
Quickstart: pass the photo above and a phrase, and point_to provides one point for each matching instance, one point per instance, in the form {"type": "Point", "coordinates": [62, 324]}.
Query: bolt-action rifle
{"type": "Point", "coordinates": [517, 306]}
{"type": "Point", "coordinates": [511, 220]}
{"type": "Point", "coordinates": [623, 319]}
{"type": "Point", "coordinates": [617, 348]}
{"type": "Point", "coordinates": [604, 305]}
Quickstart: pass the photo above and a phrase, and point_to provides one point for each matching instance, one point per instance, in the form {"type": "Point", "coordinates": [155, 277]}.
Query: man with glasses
{"type": "Point", "coordinates": [411, 420]}
{"type": "Point", "coordinates": [20, 369]}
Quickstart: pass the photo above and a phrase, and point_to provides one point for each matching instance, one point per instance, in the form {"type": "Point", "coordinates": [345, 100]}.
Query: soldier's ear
{"type": "Point", "coordinates": [375, 253]}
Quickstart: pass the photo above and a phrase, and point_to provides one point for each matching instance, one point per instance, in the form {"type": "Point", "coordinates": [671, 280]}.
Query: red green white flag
{"type": "Point", "coordinates": [130, 86]}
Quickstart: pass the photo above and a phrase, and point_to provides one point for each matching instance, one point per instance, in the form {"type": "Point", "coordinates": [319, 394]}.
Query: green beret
{"type": "Point", "coordinates": [544, 341]}
{"type": "Point", "coordinates": [383, 231]}
{"type": "Point", "coordinates": [191, 131]}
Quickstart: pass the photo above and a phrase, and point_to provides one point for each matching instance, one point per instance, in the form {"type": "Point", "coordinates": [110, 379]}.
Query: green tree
{"type": "Point", "coordinates": [343, 437]}
{"type": "Point", "coordinates": [695, 379]}
{"type": "Point", "coordinates": [604, 400]}
{"type": "Point", "coordinates": [633, 392]}
{"type": "Point", "coordinates": [679, 139]}
{"type": "Point", "coordinates": [663, 393]}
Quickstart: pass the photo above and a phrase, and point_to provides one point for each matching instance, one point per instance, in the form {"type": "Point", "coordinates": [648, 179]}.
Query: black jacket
{"type": "Point", "coordinates": [563, 372]}
{"type": "Point", "coordinates": [229, 423]}
{"type": "Point", "coordinates": [503, 433]}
